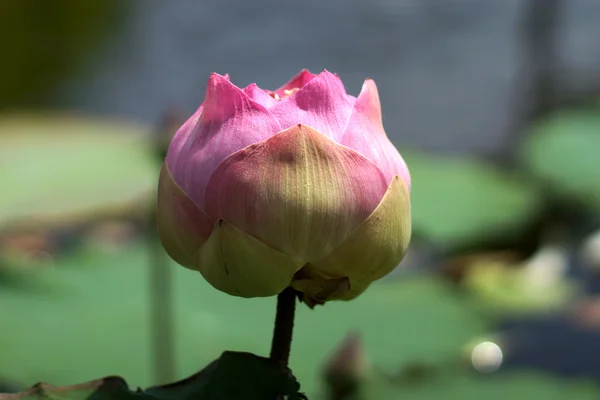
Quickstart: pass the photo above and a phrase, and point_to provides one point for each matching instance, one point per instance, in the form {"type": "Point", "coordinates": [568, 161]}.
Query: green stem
{"type": "Point", "coordinates": [161, 310]}
{"type": "Point", "coordinates": [284, 327]}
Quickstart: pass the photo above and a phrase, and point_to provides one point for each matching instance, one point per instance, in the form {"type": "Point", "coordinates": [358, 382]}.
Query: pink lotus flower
{"type": "Point", "coordinates": [298, 187]}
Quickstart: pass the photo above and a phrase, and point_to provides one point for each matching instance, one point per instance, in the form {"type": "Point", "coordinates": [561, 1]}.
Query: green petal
{"type": "Point", "coordinates": [240, 265]}
{"type": "Point", "coordinates": [316, 291]}
{"type": "Point", "coordinates": [375, 248]}
{"type": "Point", "coordinates": [182, 226]}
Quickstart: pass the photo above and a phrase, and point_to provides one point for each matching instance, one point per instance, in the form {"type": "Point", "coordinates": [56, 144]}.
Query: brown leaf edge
{"type": "Point", "coordinates": [110, 385]}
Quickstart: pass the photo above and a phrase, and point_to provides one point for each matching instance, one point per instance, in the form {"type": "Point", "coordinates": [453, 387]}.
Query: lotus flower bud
{"type": "Point", "coordinates": [298, 187]}
{"type": "Point", "coordinates": [347, 368]}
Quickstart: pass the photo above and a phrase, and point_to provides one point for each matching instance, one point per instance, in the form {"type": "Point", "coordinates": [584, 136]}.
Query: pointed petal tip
{"type": "Point", "coordinates": [319, 82]}
{"type": "Point", "coordinates": [328, 73]}
{"type": "Point", "coordinates": [216, 79]}
{"type": "Point", "coordinates": [333, 82]}
{"type": "Point", "coordinates": [365, 134]}
{"type": "Point", "coordinates": [369, 94]}
{"type": "Point", "coordinates": [259, 95]}
{"type": "Point", "coordinates": [300, 129]}
{"type": "Point", "coordinates": [305, 71]}
{"type": "Point", "coordinates": [403, 177]}
{"type": "Point", "coordinates": [217, 75]}
{"type": "Point", "coordinates": [223, 99]}
{"type": "Point", "coordinates": [368, 100]}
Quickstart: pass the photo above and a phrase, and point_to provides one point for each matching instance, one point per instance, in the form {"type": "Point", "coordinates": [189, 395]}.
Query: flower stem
{"type": "Point", "coordinates": [161, 308]}
{"type": "Point", "coordinates": [284, 327]}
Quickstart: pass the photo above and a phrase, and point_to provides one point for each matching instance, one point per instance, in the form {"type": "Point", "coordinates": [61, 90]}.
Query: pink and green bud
{"type": "Point", "coordinates": [298, 187]}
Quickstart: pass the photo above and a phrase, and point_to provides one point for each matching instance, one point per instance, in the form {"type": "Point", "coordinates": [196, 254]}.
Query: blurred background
{"type": "Point", "coordinates": [494, 104]}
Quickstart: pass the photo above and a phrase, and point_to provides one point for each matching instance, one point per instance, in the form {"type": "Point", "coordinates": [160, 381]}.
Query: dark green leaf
{"type": "Point", "coordinates": [233, 376]}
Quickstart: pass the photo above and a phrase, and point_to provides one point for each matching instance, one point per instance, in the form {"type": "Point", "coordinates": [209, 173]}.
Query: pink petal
{"type": "Point", "coordinates": [299, 192]}
{"type": "Point", "coordinates": [321, 104]}
{"type": "Point", "coordinates": [296, 82]}
{"type": "Point", "coordinates": [365, 134]}
{"type": "Point", "coordinates": [183, 133]}
{"type": "Point", "coordinates": [259, 95]}
{"type": "Point", "coordinates": [227, 121]}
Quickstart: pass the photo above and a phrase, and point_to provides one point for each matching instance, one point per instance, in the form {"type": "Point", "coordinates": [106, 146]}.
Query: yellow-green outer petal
{"type": "Point", "coordinates": [240, 265]}
{"type": "Point", "coordinates": [319, 290]}
{"type": "Point", "coordinates": [376, 247]}
{"type": "Point", "coordinates": [182, 226]}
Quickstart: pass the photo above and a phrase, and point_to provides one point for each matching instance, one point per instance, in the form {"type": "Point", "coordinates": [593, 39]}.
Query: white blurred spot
{"type": "Point", "coordinates": [486, 357]}
{"type": "Point", "coordinates": [545, 268]}
{"type": "Point", "coordinates": [591, 250]}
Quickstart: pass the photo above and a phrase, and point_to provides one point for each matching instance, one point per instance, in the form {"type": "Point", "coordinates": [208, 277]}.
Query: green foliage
{"type": "Point", "coordinates": [563, 150]}
{"type": "Point", "coordinates": [60, 167]}
{"type": "Point", "coordinates": [459, 201]}
{"type": "Point", "coordinates": [232, 376]}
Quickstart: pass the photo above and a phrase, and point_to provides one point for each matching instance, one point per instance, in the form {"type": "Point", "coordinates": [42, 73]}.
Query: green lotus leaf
{"type": "Point", "coordinates": [460, 201]}
{"type": "Point", "coordinates": [563, 150]}
{"type": "Point", "coordinates": [56, 168]}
